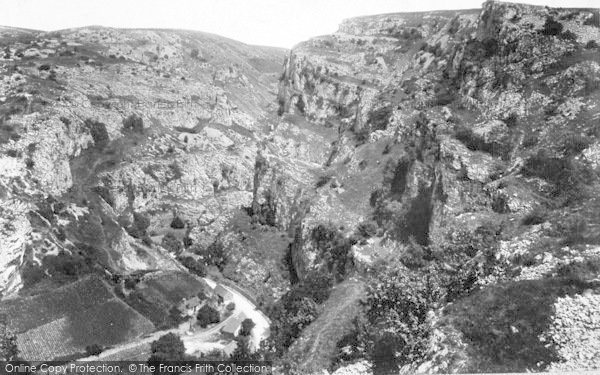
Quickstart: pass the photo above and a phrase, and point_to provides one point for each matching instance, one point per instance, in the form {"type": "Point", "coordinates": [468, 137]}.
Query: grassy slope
{"type": "Point", "coordinates": [316, 347]}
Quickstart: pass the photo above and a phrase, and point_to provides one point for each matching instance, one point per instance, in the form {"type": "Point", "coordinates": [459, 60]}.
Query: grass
{"type": "Point", "coordinates": [502, 323]}
{"type": "Point", "coordinates": [314, 350]}
{"type": "Point", "coordinates": [27, 313]}
{"type": "Point", "coordinates": [156, 297]}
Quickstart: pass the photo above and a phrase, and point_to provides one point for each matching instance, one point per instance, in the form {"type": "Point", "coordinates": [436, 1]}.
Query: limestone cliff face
{"type": "Point", "coordinates": [202, 102]}
{"type": "Point", "coordinates": [454, 122]}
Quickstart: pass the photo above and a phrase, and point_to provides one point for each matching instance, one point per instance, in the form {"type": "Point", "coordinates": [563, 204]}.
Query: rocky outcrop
{"type": "Point", "coordinates": [454, 122]}
{"type": "Point", "coordinates": [202, 101]}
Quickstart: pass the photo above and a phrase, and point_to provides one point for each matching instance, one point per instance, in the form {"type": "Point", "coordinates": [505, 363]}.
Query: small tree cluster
{"type": "Point", "coordinates": [334, 247]}
{"type": "Point", "coordinates": [208, 315]}
{"type": "Point", "coordinates": [213, 255]}
{"type": "Point", "coordinates": [167, 348]}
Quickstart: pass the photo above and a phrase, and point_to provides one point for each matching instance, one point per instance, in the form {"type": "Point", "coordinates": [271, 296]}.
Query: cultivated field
{"type": "Point", "coordinates": [62, 323]}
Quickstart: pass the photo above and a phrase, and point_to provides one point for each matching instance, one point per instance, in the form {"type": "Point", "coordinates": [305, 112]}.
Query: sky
{"type": "Point", "coordinates": [280, 23]}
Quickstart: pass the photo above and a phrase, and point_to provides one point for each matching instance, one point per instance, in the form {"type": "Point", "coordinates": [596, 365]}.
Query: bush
{"type": "Point", "coordinates": [133, 123]}
{"type": "Point", "coordinates": [193, 266]}
{"type": "Point", "coordinates": [568, 35]}
{"type": "Point", "coordinates": [552, 27]}
{"type": "Point", "coordinates": [397, 305]}
{"type": "Point", "coordinates": [535, 217]}
{"type": "Point", "coordinates": [177, 223]}
{"type": "Point", "coordinates": [568, 176]}
{"type": "Point", "coordinates": [208, 315]}
{"type": "Point", "coordinates": [194, 53]}
{"type": "Point", "coordinates": [591, 44]}
{"type": "Point", "coordinates": [139, 227]}
{"type": "Point", "coordinates": [230, 306]}
{"type": "Point", "coordinates": [213, 255]}
{"type": "Point", "coordinates": [334, 247]}
{"type": "Point", "coordinates": [171, 243]}
{"type": "Point", "coordinates": [98, 132]}
{"type": "Point", "coordinates": [93, 349]}
{"type": "Point", "coordinates": [367, 229]}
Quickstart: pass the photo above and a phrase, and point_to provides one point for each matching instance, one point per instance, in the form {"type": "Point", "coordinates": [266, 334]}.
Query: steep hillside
{"type": "Point", "coordinates": [464, 164]}
{"type": "Point", "coordinates": [414, 193]}
{"type": "Point", "coordinates": [109, 134]}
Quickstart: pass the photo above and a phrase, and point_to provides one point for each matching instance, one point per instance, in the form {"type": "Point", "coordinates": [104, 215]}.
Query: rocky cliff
{"type": "Point", "coordinates": [102, 126]}
{"type": "Point", "coordinates": [451, 125]}
{"type": "Point", "coordinates": [416, 189]}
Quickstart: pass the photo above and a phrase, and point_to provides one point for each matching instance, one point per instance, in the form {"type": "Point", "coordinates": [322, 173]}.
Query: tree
{"type": "Point", "coordinates": [242, 350]}
{"type": "Point", "coordinates": [177, 223]}
{"type": "Point", "coordinates": [247, 326]}
{"type": "Point", "coordinates": [167, 348]}
{"type": "Point", "coordinates": [208, 315]}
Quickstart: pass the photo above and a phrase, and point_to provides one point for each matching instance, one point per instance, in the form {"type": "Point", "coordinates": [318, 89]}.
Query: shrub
{"type": "Point", "coordinates": [213, 255]}
{"type": "Point", "coordinates": [552, 27]}
{"type": "Point", "coordinates": [367, 229]}
{"type": "Point", "coordinates": [193, 266]}
{"type": "Point", "coordinates": [334, 247]}
{"type": "Point", "coordinates": [98, 132]}
{"type": "Point", "coordinates": [140, 224]}
{"type": "Point", "coordinates": [133, 123]}
{"type": "Point", "coordinates": [568, 176]}
{"type": "Point", "coordinates": [208, 315]}
{"type": "Point", "coordinates": [44, 67]}
{"type": "Point", "coordinates": [230, 306]}
{"type": "Point", "coordinates": [591, 44]}
{"type": "Point", "coordinates": [397, 305]}
{"type": "Point", "coordinates": [194, 53]}
{"type": "Point", "coordinates": [93, 349]}
{"type": "Point", "coordinates": [568, 35]}
{"type": "Point", "coordinates": [171, 243]}
{"type": "Point", "coordinates": [177, 223]}
{"type": "Point", "coordinates": [323, 180]}
{"type": "Point", "coordinates": [534, 217]}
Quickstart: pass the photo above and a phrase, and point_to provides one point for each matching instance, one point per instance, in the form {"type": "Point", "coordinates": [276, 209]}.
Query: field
{"type": "Point", "coordinates": [24, 314]}
{"type": "Point", "coordinates": [62, 323]}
